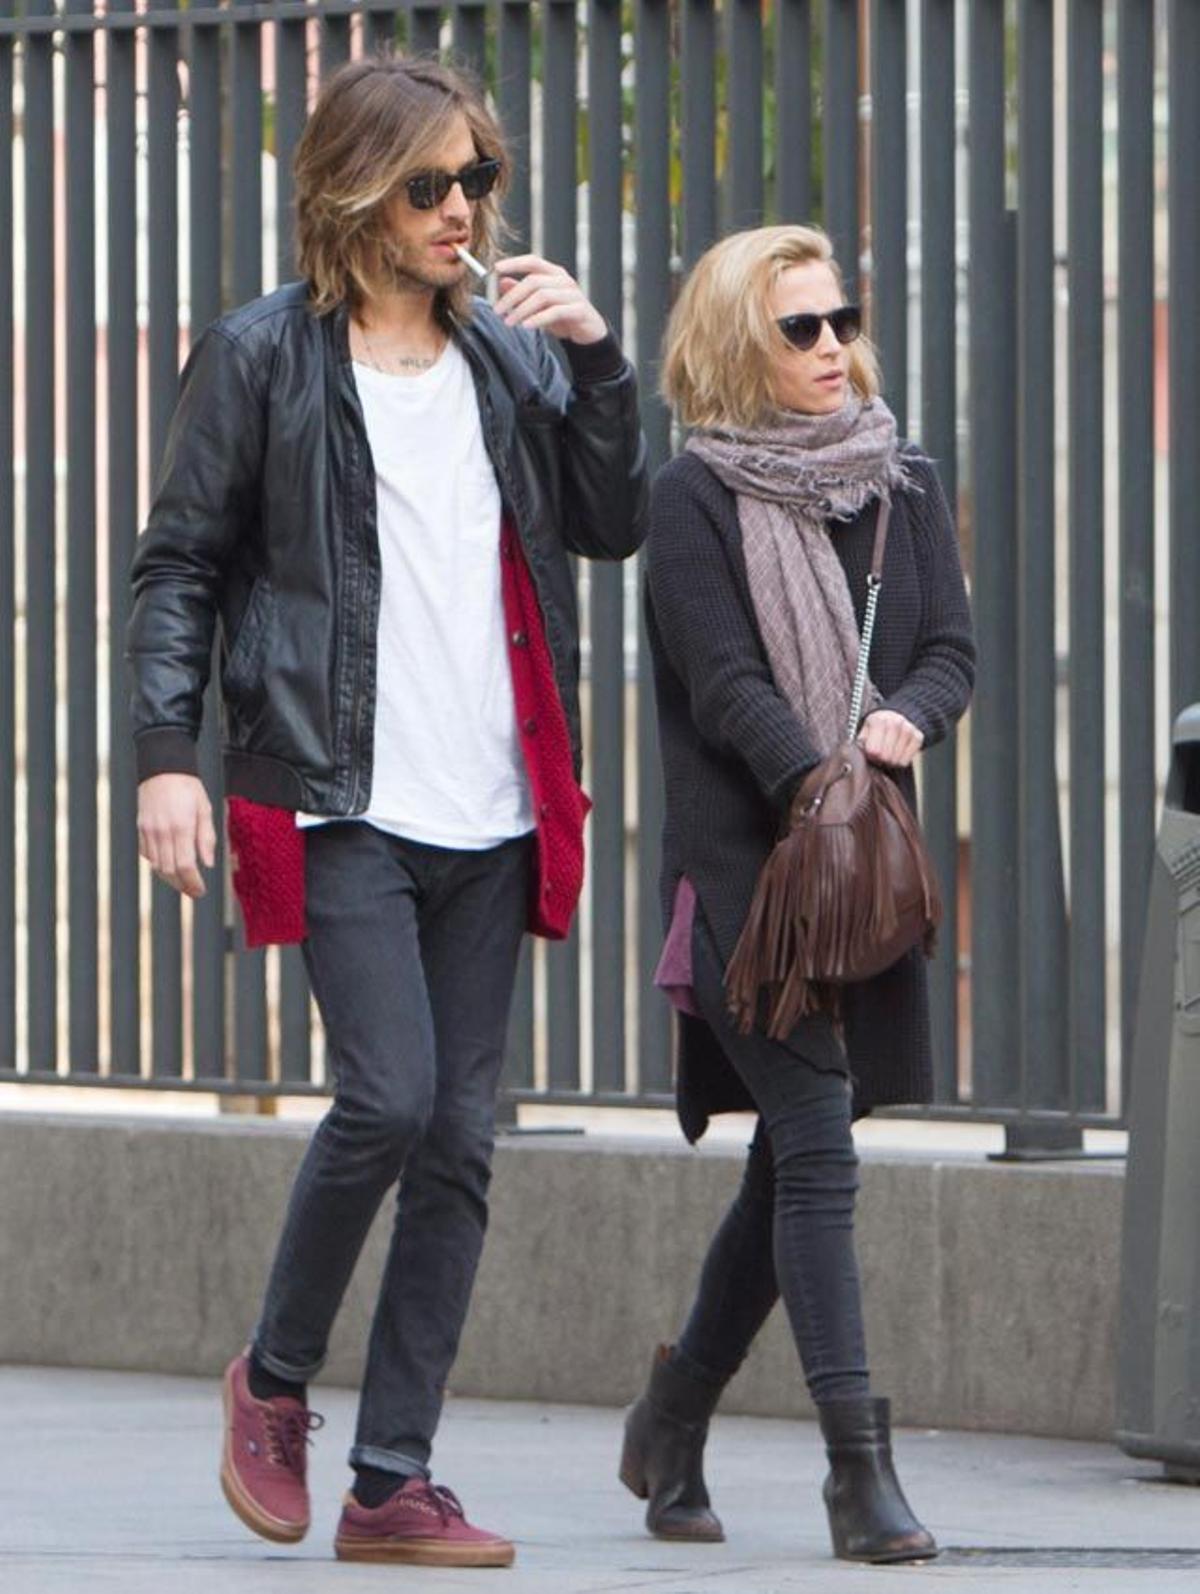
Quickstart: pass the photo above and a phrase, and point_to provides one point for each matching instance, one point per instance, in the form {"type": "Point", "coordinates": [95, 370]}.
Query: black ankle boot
{"type": "Point", "coordinates": [663, 1458]}
{"type": "Point", "coordinates": [869, 1517]}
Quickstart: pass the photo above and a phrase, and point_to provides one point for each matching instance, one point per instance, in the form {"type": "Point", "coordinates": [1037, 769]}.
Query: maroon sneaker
{"type": "Point", "coordinates": [422, 1524]}
{"type": "Point", "coordinates": [265, 1457]}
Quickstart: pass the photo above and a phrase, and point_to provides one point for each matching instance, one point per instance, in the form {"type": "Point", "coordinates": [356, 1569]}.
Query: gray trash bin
{"type": "Point", "coordinates": [1158, 1373]}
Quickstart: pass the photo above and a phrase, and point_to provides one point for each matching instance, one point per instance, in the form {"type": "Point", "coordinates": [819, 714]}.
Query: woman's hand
{"type": "Point", "coordinates": [888, 738]}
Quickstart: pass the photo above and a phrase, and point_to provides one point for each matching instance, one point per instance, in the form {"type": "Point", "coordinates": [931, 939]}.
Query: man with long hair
{"type": "Point", "coordinates": [374, 481]}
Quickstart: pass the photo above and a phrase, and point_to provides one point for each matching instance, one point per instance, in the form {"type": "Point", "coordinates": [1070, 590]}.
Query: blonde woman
{"type": "Point", "coordinates": [761, 537]}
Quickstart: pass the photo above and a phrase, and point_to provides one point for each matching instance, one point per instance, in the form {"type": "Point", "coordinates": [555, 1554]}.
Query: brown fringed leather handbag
{"type": "Point", "coordinates": [848, 890]}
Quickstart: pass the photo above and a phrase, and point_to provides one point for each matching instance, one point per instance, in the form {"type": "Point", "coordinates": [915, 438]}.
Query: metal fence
{"type": "Point", "coordinates": [1006, 241]}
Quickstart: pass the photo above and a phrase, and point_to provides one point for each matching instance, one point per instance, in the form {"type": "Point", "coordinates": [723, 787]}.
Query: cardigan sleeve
{"type": "Point", "coordinates": [937, 687]}
{"type": "Point", "coordinates": [713, 645]}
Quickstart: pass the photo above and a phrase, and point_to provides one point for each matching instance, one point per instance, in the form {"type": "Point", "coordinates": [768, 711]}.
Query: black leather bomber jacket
{"type": "Point", "coordinates": [264, 518]}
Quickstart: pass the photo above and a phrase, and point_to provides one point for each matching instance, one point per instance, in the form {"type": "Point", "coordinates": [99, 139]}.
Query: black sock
{"type": "Point", "coordinates": [265, 1385]}
{"type": "Point", "coordinates": [372, 1485]}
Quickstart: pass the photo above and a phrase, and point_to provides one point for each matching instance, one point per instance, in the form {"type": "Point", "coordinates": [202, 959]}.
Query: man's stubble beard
{"type": "Point", "coordinates": [398, 275]}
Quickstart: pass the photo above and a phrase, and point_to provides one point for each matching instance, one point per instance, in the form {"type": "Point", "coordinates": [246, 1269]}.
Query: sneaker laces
{"type": "Point", "coordinates": [288, 1435]}
{"type": "Point", "coordinates": [444, 1501]}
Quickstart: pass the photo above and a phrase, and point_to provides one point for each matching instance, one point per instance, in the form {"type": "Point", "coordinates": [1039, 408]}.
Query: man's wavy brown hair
{"type": "Point", "coordinates": [376, 123]}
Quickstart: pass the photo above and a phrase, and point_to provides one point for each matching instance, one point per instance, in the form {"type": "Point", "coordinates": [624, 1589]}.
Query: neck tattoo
{"type": "Point", "coordinates": [390, 364]}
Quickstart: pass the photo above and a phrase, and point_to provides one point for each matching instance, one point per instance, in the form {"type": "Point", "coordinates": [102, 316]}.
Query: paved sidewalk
{"type": "Point", "coordinates": [108, 1482]}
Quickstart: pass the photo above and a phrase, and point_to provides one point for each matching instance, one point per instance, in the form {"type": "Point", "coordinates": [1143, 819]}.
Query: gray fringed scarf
{"type": "Point", "coordinates": [790, 479]}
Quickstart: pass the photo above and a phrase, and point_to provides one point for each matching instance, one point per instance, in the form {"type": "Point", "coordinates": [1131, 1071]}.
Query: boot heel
{"type": "Point", "coordinates": [633, 1474]}
{"type": "Point", "coordinates": [869, 1518]}
{"type": "Point", "coordinates": [662, 1455]}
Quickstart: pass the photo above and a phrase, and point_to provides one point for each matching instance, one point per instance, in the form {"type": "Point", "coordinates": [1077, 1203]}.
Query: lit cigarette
{"type": "Point", "coordinates": [469, 260]}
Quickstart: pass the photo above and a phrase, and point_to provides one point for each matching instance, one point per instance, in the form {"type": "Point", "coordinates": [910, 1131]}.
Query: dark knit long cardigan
{"type": "Point", "coordinates": [734, 751]}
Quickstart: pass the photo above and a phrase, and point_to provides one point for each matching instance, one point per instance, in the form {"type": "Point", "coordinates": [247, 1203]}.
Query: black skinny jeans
{"type": "Point", "coordinates": [412, 953]}
{"type": "Point", "coordinates": [790, 1229]}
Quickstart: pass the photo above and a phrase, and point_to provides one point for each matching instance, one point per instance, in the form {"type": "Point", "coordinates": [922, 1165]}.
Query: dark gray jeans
{"type": "Point", "coordinates": [790, 1228]}
{"type": "Point", "coordinates": [412, 954]}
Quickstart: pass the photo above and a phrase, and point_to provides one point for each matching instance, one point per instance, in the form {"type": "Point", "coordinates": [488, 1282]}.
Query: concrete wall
{"type": "Point", "coordinates": [991, 1290]}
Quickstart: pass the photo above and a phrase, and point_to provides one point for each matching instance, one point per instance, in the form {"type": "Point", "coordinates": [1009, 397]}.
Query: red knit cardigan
{"type": "Point", "coordinates": [268, 849]}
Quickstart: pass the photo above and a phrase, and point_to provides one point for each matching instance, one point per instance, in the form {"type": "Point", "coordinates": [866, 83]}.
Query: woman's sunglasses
{"type": "Point", "coordinates": [802, 331]}
{"type": "Point", "coordinates": [428, 190]}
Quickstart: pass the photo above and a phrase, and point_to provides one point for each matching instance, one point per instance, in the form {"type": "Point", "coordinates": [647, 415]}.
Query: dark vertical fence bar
{"type": "Point", "coordinates": [295, 1016]}
{"type": "Point", "coordinates": [744, 173]}
{"type": "Point", "coordinates": [40, 544]}
{"type": "Point", "coordinates": [470, 34]}
{"type": "Point", "coordinates": [121, 355]}
{"type": "Point", "coordinates": [560, 132]}
{"type": "Point", "coordinates": [83, 862]}
{"type": "Point", "coordinates": [939, 438]}
{"type": "Point", "coordinates": [653, 192]}
{"type": "Point", "coordinates": [381, 29]}
{"type": "Point", "coordinates": [1043, 961]}
{"type": "Point", "coordinates": [839, 132]}
{"type": "Point", "coordinates": [246, 165]}
{"type": "Point", "coordinates": [793, 110]}
{"type": "Point", "coordinates": [425, 29]}
{"type": "Point", "coordinates": [1135, 490]}
{"type": "Point", "coordinates": [204, 277]}
{"type": "Point", "coordinates": [291, 112]}
{"type": "Point", "coordinates": [607, 771]}
{"type": "Point", "coordinates": [291, 82]}
{"type": "Point", "coordinates": [560, 138]}
{"type": "Point", "coordinates": [8, 565]}
{"type": "Point", "coordinates": [514, 71]}
{"type": "Point", "coordinates": [163, 224]}
{"type": "Point", "coordinates": [514, 51]}
{"type": "Point", "coordinates": [250, 995]}
{"type": "Point", "coordinates": [335, 42]}
{"type": "Point", "coordinates": [1085, 394]}
{"type": "Point", "coordinates": [1183, 184]}
{"type": "Point", "coordinates": [994, 967]}
{"type": "Point", "coordinates": [205, 232]}
{"type": "Point", "coordinates": [889, 195]}
{"type": "Point", "coordinates": [698, 129]}
{"type": "Point", "coordinates": [518, 1052]}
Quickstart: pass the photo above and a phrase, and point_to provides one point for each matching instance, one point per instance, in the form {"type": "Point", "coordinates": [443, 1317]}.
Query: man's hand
{"type": "Point", "coordinates": [535, 293]}
{"type": "Point", "coordinates": [888, 738]}
{"type": "Point", "coordinates": [175, 829]}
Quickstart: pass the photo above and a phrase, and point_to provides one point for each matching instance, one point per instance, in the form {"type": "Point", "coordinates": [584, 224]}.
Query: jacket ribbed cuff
{"type": "Point", "coordinates": [595, 362]}
{"type": "Point", "coordinates": [168, 751]}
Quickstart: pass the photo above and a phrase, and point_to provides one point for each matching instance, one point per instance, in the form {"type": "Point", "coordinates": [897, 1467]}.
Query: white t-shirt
{"type": "Point", "coordinates": [448, 768]}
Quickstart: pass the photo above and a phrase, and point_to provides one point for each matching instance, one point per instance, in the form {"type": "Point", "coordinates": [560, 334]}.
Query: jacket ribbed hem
{"type": "Point", "coordinates": [165, 751]}
{"type": "Point", "coordinates": [263, 780]}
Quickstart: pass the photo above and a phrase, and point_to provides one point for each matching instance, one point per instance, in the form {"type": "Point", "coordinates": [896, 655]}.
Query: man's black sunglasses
{"type": "Point", "coordinates": [427, 190]}
{"type": "Point", "coordinates": [802, 331]}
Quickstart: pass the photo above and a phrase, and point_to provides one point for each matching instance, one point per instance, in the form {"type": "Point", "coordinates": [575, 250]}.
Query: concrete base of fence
{"type": "Point", "coordinates": [991, 1290]}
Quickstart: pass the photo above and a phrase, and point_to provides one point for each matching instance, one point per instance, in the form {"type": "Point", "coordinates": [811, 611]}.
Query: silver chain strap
{"type": "Point", "coordinates": [864, 653]}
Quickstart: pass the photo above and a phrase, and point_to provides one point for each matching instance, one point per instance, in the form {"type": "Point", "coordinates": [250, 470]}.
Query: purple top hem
{"type": "Point", "coordinates": [673, 976]}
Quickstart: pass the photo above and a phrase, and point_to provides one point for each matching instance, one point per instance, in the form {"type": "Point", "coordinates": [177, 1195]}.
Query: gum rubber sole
{"type": "Point", "coordinates": [423, 1552]}
{"type": "Point", "coordinates": [243, 1505]}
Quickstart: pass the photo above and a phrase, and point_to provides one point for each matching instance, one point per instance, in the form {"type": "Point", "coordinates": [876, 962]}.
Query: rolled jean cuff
{"type": "Point", "coordinates": [388, 1461]}
{"type": "Point", "coordinates": [288, 1371]}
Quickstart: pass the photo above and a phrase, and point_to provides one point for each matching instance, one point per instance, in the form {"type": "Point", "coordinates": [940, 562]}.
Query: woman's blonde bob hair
{"type": "Point", "coordinates": [722, 340]}
{"type": "Point", "coordinates": [377, 122]}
